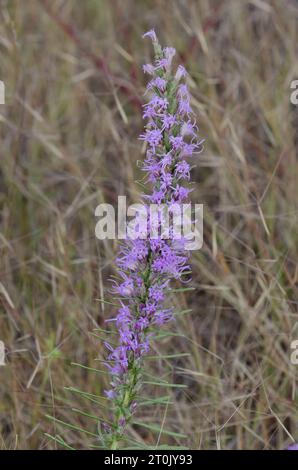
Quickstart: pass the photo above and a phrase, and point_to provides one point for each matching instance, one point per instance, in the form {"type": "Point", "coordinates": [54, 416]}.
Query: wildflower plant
{"type": "Point", "coordinates": [146, 264]}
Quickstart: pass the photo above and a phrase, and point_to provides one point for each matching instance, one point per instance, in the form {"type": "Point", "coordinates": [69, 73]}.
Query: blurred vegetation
{"type": "Point", "coordinates": [69, 140]}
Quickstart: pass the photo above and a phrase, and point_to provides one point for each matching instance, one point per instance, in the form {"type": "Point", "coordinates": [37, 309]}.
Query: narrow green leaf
{"type": "Point", "coordinates": [146, 374]}
{"type": "Point", "coordinates": [157, 428]}
{"type": "Point", "coordinates": [168, 356]}
{"type": "Point", "coordinates": [92, 369]}
{"type": "Point", "coordinates": [59, 441]}
{"type": "Point", "coordinates": [168, 334]}
{"type": "Point", "coordinates": [107, 302]}
{"type": "Point", "coordinates": [93, 446]}
{"type": "Point", "coordinates": [156, 401]}
{"type": "Point", "coordinates": [101, 338]}
{"type": "Point", "coordinates": [83, 413]}
{"type": "Point", "coordinates": [71, 426]}
{"type": "Point", "coordinates": [164, 384]}
{"type": "Point", "coordinates": [108, 332]}
{"type": "Point", "coordinates": [89, 396]}
{"type": "Point", "coordinates": [182, 289]}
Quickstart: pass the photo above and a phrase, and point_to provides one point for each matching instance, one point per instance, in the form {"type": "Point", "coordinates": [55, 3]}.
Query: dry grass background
{"type": "Point", "coordinates": [69, 132]}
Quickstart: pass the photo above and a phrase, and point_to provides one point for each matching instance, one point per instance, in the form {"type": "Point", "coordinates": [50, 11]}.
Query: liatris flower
{"type": "Point", "coordinates": [146, 266]}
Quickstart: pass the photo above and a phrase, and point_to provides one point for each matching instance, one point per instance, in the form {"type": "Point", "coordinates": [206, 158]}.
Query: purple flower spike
{"type": "Point", "coordinates": [146, 266]}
